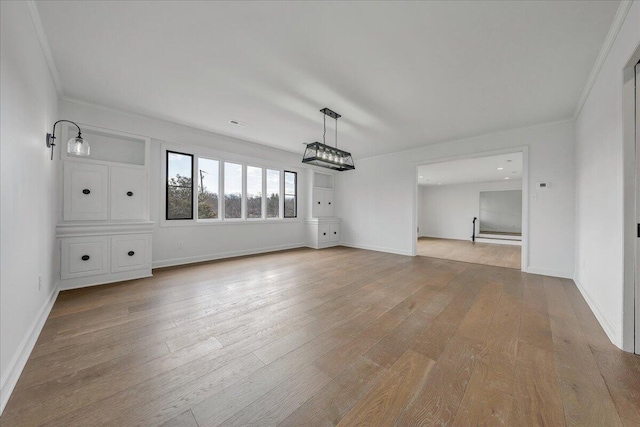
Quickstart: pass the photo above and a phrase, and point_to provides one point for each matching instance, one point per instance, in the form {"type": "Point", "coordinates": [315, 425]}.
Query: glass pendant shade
{"type": "Point", "coordinates": [78, 146]}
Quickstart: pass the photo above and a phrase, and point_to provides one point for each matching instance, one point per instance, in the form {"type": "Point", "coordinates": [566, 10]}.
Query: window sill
{"type": "Point", "coordinates": [219, 222]}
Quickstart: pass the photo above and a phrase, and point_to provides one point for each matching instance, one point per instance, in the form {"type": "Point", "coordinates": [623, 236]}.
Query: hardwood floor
{"type": "Point", "coordinates": [332, 337]}
{"type": "Point", "coordinates": [479, 253]}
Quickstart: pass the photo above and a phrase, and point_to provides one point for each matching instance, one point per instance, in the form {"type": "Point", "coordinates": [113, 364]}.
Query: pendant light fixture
{"type": "Point", "coordinates": [78, 146]}
{"type": "Point", "coordinates": [321, 154]}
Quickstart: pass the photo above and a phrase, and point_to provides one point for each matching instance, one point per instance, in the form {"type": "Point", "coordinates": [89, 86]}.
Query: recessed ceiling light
{"type": "Point", "coordinates": [514, 172]}
{"type": "Point", "coordinates": [439, 183]}
{"type": "Point", "coordinates": [237, 123]}
{"type": "Point", "coordinates": [500, 169]}
{"type": "Point", "coordinates": [508, 160]}
{"type": "Point", "coordinates": [506, 177]}
{"type": "Point", "coordinates": [421, 176]}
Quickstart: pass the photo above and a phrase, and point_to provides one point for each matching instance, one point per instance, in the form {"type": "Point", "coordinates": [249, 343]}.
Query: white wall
{"type": "Point", "coordinates": [446, 211]}
{"type": "Point", "coordinates": [204, 241]}
{"type": "Point", "coordinates": [29, 194]}
{"type": "Point", "coordinates": [599, 171]}
{"type": "Point", "coordinates": [377, 201]}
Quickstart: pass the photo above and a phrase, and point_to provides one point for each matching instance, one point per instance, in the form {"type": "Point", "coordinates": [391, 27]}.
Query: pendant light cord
{"type": "Point", "coordinates": [336, 132]}
{"type": "Point", "coordinates": [324, 133]}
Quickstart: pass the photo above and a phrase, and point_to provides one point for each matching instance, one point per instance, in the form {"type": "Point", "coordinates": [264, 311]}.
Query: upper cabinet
{"type": "Point", "coordinates": [85, 191]}
{"type": "Point", "coordinates": [323, 204]}
{"type": "Point", "coordinates": [129, 198]}
{"type": "Point", "coordinates": [112, 183]}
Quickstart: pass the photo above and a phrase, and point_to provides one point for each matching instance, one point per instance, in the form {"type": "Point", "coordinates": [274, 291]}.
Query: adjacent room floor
{"type": "Point", "coordinates": [464, 250]}
{"type": "Point", "coordinates": [336, 336]}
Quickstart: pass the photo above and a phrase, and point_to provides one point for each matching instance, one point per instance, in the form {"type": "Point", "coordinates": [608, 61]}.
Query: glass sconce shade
{"type": "Point", "coordinates": [78, 146]}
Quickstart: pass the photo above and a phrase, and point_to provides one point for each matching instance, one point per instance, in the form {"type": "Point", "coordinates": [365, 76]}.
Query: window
{"type": "Point", "coordinates": [273, 193]}
{"type": "Point", "coordinates": [232, 190]}
{"type": "Point", "coordinates": [208, 188]}
{"type": "Point", "coordinates": [290, 194]}
{"type": "Point", "coordinates": [254, 192]}
{"type": "Point", "coordinates": [179, 185]}
{"type": "Point", "coordinates": [205, 190]}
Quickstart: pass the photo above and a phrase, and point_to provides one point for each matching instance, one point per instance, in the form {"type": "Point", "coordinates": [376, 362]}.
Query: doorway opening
{"type": "Point", "coordinates": [471, 210]}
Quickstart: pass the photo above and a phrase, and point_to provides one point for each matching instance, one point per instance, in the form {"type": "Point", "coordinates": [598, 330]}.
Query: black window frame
{"type": "Point", "coordinates": [295, 196]}
{"type": "Point", "coordinates": [166, 207]}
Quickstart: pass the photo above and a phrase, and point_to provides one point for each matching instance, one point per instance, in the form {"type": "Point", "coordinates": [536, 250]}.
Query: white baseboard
{"type": "Point", "coordinates": [376, 248]}
{"type": "Point", "coordinates": [549, 272]}
{"type": "Point", "coordinates": [600, 316]}
{"type": "Point", "coordinates": [213, 257]}
{"type": "Point", "coordinates": [67, 285]}
{"type": "Point", "coordinates": [19, 360]}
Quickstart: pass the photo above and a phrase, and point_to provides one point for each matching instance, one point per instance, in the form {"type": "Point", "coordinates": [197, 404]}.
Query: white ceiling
{"type": "Point", "coordinates": [403, 74]}
{"type": "Point", "coordinates": [503, 167]}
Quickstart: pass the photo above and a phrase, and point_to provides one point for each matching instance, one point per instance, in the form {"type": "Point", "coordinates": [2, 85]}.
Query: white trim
{"type": "Point", "coordinates": [69, 229]}
{"type": "Point", "coordinates": [377, 248]}
{"type": "Point", "coordinates": [44, 45]}
{"type": "Point", "coordinates": [494, 241]}
{"type": "Point", "coordinates": [122, 276]}
{"type": "Point", "coordinates": [607, 326]}
{"type": "Point", "coordinates": [222, 255]}
{"type": "Point", "coordinates": [614, 29]}
{"type": "Point", "coordinates": [21, 356]}
{"type": "Point", "coordinates": [549, 272]}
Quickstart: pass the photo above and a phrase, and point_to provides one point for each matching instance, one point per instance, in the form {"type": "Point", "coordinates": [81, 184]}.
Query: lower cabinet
{"type": "Point", "coordinates": [323, 232]}
{"type": "Point", "coordinates": [130, 252]}
{"type": "Point", "coordinates": [92, 259]}
{"type": "Point", "coordinates": [84, 256]}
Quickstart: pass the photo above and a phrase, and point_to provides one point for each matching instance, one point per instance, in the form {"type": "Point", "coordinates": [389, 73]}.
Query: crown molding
{"type": "Point", "coordinates": [44, 45]}
{"type": "Point", "coordinates": [614, 29]}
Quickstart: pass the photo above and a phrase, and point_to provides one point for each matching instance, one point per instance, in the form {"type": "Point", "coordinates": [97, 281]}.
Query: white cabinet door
{"type": "Point", "coordinates": [85, 191]}
{"type": "Point", "coordinates": [324, 233]}
{"type": "Point", "coordinates": [317, 210]}
{"type": "Point", "coordinates": [84, 256]}
{"type": "Point", "coordinates": [334, 232]}
{"type": "Point", "coordinates": [130, 252]}
{"type": "Point", "coordinates": [329, 207]}
{"type": "Point", "coordinates": [129, 193]}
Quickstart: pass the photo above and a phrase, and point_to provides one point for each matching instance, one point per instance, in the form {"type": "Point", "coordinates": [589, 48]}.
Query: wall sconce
{"type": "Point", "coordinates": [77, 146]}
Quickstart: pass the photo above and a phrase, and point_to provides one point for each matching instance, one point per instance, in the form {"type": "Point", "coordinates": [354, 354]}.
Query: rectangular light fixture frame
{"type": "Point", "coordinates": [322, 155]}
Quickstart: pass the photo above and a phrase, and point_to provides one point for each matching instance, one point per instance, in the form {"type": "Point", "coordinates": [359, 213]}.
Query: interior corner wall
{"type": "Point", "coordinates": [29, 190]}
{"type": "Point", "coordinates": [447, 211]}
{"type": "Point", "coordinates": [377, 200]}
{"type": "Point", "coordinates": [202, 242]}
{"type": "Point", "coordinates": [599, 185]}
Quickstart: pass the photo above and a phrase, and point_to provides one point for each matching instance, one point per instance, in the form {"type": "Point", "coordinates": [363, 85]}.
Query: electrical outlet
{"type": "Point", "coordinates": [180, 244]}
{"type": "Point", "coordinates": [39, 283]}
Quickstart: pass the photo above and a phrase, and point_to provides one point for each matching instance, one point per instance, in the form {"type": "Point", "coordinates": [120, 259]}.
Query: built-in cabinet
{"type": "Point", "coordinates": [323, 228]}
{"type": "Point", "coordinates": [104, 231]}
{"type": "Point", "coordinates": [323, 203]}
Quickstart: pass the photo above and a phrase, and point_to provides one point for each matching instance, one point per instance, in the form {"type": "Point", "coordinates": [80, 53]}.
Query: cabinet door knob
{"type": "Point", "coordinates": [86, 191]}
{"type": "Point", "coordinates": [130, 253]}
{"type": "Point", "coordinates": [85, 257]}
{"type": "Point", "coordinates": [324, 234]}
{"type": "Point", "coordinates": [318, 202]}
{"type": "Point", "coordinates": [129, 193]}
{"type": "Point", "coordinates": [329, 202]}
{"type": "Point", "coordinates": [335, 232]}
